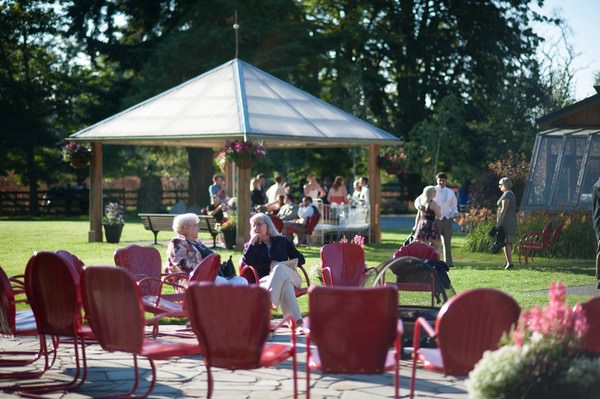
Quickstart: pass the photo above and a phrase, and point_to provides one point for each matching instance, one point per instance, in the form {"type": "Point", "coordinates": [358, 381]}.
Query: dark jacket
{"type": "Point", "coordinates": [260, 257]}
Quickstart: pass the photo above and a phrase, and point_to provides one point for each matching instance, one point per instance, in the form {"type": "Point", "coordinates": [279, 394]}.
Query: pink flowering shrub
{"type": "Point", "coordinates": [542, 358]}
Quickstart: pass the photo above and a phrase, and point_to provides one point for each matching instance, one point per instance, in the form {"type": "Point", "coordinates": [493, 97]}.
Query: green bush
{"type": "Point", "coordinates": [478, 239]}
{"type": "Point", "coordinates": [576, 240]}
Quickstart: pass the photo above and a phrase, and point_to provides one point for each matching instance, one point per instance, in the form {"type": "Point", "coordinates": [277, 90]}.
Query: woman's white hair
{"type": "Point", "coordinates": [270, 226]}
{"type": "Point", "coordinates": [185, 219]}
{"type": "Point", "coordinates": [505, 181]}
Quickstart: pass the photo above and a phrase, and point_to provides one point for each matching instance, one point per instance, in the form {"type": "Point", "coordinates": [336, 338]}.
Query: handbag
{"type": "Point", "coordinates": [227, 269]}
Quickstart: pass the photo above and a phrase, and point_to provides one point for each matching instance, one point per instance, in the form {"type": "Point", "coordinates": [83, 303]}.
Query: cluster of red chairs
{"type": "Point", "coordinates": [350, 329]}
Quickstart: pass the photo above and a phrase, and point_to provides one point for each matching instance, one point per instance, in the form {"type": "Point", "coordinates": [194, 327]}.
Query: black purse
{"type": "Point", "coordinates": [227, 269]}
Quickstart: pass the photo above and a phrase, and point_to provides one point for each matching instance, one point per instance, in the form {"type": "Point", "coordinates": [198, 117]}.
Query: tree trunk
{"type": "Point", "coordinates": [32, 180]}
{"type": "Point", "coordinates": [201, 171]}
{"type": "Point", "coordinates": [150, 195]}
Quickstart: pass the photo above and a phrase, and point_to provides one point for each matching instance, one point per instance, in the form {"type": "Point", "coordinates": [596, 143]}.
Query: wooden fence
{"type": "Point", "coordinates": [75, 201]}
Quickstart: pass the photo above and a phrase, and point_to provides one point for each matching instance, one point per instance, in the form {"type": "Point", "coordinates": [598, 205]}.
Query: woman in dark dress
{"type": "Point", "coordinates": [426, 228]}
{"type": "Point", "coordinates": [507, 218]}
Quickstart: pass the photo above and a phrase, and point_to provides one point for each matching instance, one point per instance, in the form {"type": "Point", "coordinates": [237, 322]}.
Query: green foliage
{"type": "Point", "coordinates": [576, 241]}
{"type": "Point", "coordinates": [479, 239]}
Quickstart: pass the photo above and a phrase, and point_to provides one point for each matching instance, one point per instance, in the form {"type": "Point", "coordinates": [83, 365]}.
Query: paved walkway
{"type": "Point", "coordinates": [111, 373]}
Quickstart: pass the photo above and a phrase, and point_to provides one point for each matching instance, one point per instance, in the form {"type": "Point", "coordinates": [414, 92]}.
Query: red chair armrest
{"type": "Point", "coordinates": [326, 275]}
{"type": "Point", "coordinates": [249, 273]}
{"type": "Point", "coordinates": [305, 275]}
{"type": "Point", "coordinates": [421, 322]}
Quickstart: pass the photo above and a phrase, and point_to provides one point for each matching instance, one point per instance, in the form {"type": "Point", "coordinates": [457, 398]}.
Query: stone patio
{"type": "Point", "coordinates": [111, 373]}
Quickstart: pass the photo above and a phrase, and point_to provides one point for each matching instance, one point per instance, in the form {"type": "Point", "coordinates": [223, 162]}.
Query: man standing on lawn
{"type": "Point", "coordinates": [446, 199]}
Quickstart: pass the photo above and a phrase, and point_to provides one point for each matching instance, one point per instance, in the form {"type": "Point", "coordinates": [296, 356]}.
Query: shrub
{"type": "Point", "coordinates": [576, 240]}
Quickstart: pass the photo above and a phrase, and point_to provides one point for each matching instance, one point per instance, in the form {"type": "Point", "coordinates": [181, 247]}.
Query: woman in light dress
{"type": "Point", "coordinates": [313, 189]}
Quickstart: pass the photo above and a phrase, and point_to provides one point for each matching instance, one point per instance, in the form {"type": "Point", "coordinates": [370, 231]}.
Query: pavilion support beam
{"type": "Point", "coordinates": [243, 207]}
{"type": "Point", "coordinates": [95, 233]}
{"type": "Point", "coordinates": [374, 193]}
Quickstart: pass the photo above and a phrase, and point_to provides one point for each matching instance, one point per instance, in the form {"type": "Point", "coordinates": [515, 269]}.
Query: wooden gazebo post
{"type": "Point", "coordinates": [374, 193]}
{"type": "Point", "coordinates": [243, 206]}
{"type": "Point", "coordinates": [95, 233]}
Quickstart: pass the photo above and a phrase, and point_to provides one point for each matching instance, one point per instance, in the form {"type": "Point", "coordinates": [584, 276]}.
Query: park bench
{"type": "Point", "coordinates": [156, 222]}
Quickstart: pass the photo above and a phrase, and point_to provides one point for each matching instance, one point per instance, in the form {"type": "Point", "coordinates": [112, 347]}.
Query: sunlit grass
{"type": "Point", "coordinates": [19, 239]}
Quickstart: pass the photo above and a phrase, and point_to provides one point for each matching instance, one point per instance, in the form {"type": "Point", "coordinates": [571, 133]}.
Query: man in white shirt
{"type": "Point", "coordinates": [446, 199]}
{"type": "Point", "coordinates": [305, 211]}
{"type": "Point", "coordinates": [274, 192]}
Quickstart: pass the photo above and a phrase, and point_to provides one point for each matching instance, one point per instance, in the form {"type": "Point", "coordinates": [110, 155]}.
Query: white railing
{"type": "Point", "coordinates": [339, 220]}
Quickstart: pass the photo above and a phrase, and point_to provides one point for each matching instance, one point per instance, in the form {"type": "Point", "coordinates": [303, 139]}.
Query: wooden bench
{"type": "Point", "coordinates": [156, 222]}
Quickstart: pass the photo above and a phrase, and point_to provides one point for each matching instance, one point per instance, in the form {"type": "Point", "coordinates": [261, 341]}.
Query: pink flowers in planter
{"type": "Point", "coordinates": [357, 239]}
{"type": "Point", "coordinates": [555, 322]}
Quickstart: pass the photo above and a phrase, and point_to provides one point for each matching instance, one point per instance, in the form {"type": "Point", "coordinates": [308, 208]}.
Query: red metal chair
{"type": "Point", "coordinates": [343, 264]}
{"type": "Point", "coordinates": [251, 275]}
{"type": "Point", "coordinates": [116, 314]}
{"type": "Point", "coordinates": [536, 241]}
{"type": "Point", "coordinates": [466, 326]}
{"type": "Point", "coordinates": [15, 323]}
{"type": "Point", "coordinates": [52, 287]}
{"type": "Point", "coordinates": [421, 251]}
{"type": "Point", "coordinates": [353, 330]}
{"type": "Point", "coordinates": [311, 223]}
{"type": "Point", "coordinates": [591, 339]}
{"type": "Point", "coordinates": [277, 222]}
{"type": "Point", "coordinates": [145, 265]}
{"type": "Point", "coordinates": [418, 250]}
{"type": "Point", "coordinates": [232, 324]}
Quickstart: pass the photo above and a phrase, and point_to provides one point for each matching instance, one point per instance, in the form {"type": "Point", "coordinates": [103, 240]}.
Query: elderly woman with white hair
{"type": "Point", "coordinates": [263, 251]}
{"type": "Point", "coordinates": [185, 251]}
{"type": "Point", "coordinates": [506, 217]}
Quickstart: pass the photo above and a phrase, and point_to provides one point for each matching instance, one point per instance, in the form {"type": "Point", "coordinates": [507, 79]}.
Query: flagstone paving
{"type": "Point", "coordinates": [111, 373]}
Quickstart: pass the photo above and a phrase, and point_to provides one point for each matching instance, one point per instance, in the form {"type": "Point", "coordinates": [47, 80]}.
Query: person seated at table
{"type": "Point", "coordinates": [218, 189]}
{"type": "Point", "coordinates": [313, 189]}
{"type": "Point", "coordinates": [185, 251]}
{"type": "Point", "coordinates": [289, 210]}
{"type": "Point", "coordinates": [276, 190]}
{"type": "Point", "coordinates": [306, 210]}
{"type": "Point", "coordinates": [215, 209]}
{"type": "Point", "coordinates": [258, 199]}
{"type": "Point", "coordinates": [338, 193]}
{"type": "Point", "coordinates": [265, 247]}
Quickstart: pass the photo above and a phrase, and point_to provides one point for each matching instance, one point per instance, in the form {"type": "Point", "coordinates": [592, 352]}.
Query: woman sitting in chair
{"type": "Point", "coordinates": [185, 251]}
{"type": "Point", "coordinates": [263, 251]}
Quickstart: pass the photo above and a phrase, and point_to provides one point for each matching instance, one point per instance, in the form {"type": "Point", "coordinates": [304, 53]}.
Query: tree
{"type": "Point", "coordinates": [33, 72]}
{"type": "Point", "coordinates": [406, 57]}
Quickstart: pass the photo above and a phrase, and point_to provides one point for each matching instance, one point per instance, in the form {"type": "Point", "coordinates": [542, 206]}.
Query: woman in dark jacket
{"type": "Point", "coordinates": [264, 249]}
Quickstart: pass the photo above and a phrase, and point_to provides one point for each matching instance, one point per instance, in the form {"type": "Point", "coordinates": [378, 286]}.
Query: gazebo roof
{"type": "Point", "coordinates": [232, 101]}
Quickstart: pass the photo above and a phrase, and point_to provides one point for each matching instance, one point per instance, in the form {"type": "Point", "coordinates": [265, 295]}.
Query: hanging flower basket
{"type": "Point", "coordinates": [393, 161]}
{"type": "Point", "coordinates": [243, 153]}
{"type": "Point", "coordinates": [77, 155]}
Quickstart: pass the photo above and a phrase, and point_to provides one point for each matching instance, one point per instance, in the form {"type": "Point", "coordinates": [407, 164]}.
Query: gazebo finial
{"type": "Point", "coordinates": [236, 28]}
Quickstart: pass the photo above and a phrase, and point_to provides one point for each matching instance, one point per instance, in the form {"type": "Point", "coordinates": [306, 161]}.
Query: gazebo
{"type": "Point", "coordinates": [233, 101]}
{"type": "Point", "coordinates": [565, 162]}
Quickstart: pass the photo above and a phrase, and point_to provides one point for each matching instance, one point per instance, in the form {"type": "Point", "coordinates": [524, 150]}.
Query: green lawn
{"type": "Point", "coordinates": [20, 238]}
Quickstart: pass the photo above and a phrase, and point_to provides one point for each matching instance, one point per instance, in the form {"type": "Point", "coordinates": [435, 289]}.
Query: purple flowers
{"type": "Point", "coordinates": [73, 150]}
{"type": "Point", "coordinates": [114, 214]}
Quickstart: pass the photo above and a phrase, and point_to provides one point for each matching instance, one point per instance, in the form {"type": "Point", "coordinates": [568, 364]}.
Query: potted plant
{"type": "Point", "coordinates": [543, 358]}
{"type": "Point", "coordinates": [393, 160]}
{"type": "Point", "coordinates": [228, 230]}
{"type": "Point", "coordinates": [243, 153]}
{"type": "Point", "coordinates": [76, 154]}
{"type": "Point", "coordinates": [113, 222]}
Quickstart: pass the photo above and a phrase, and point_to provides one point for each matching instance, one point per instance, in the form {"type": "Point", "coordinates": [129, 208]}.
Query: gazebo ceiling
{"type": "Point", "coordinates": [232, 101]}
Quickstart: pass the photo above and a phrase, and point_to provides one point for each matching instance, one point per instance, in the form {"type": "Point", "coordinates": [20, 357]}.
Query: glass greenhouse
{"type": "Point", "coordinates": [565, 164]}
